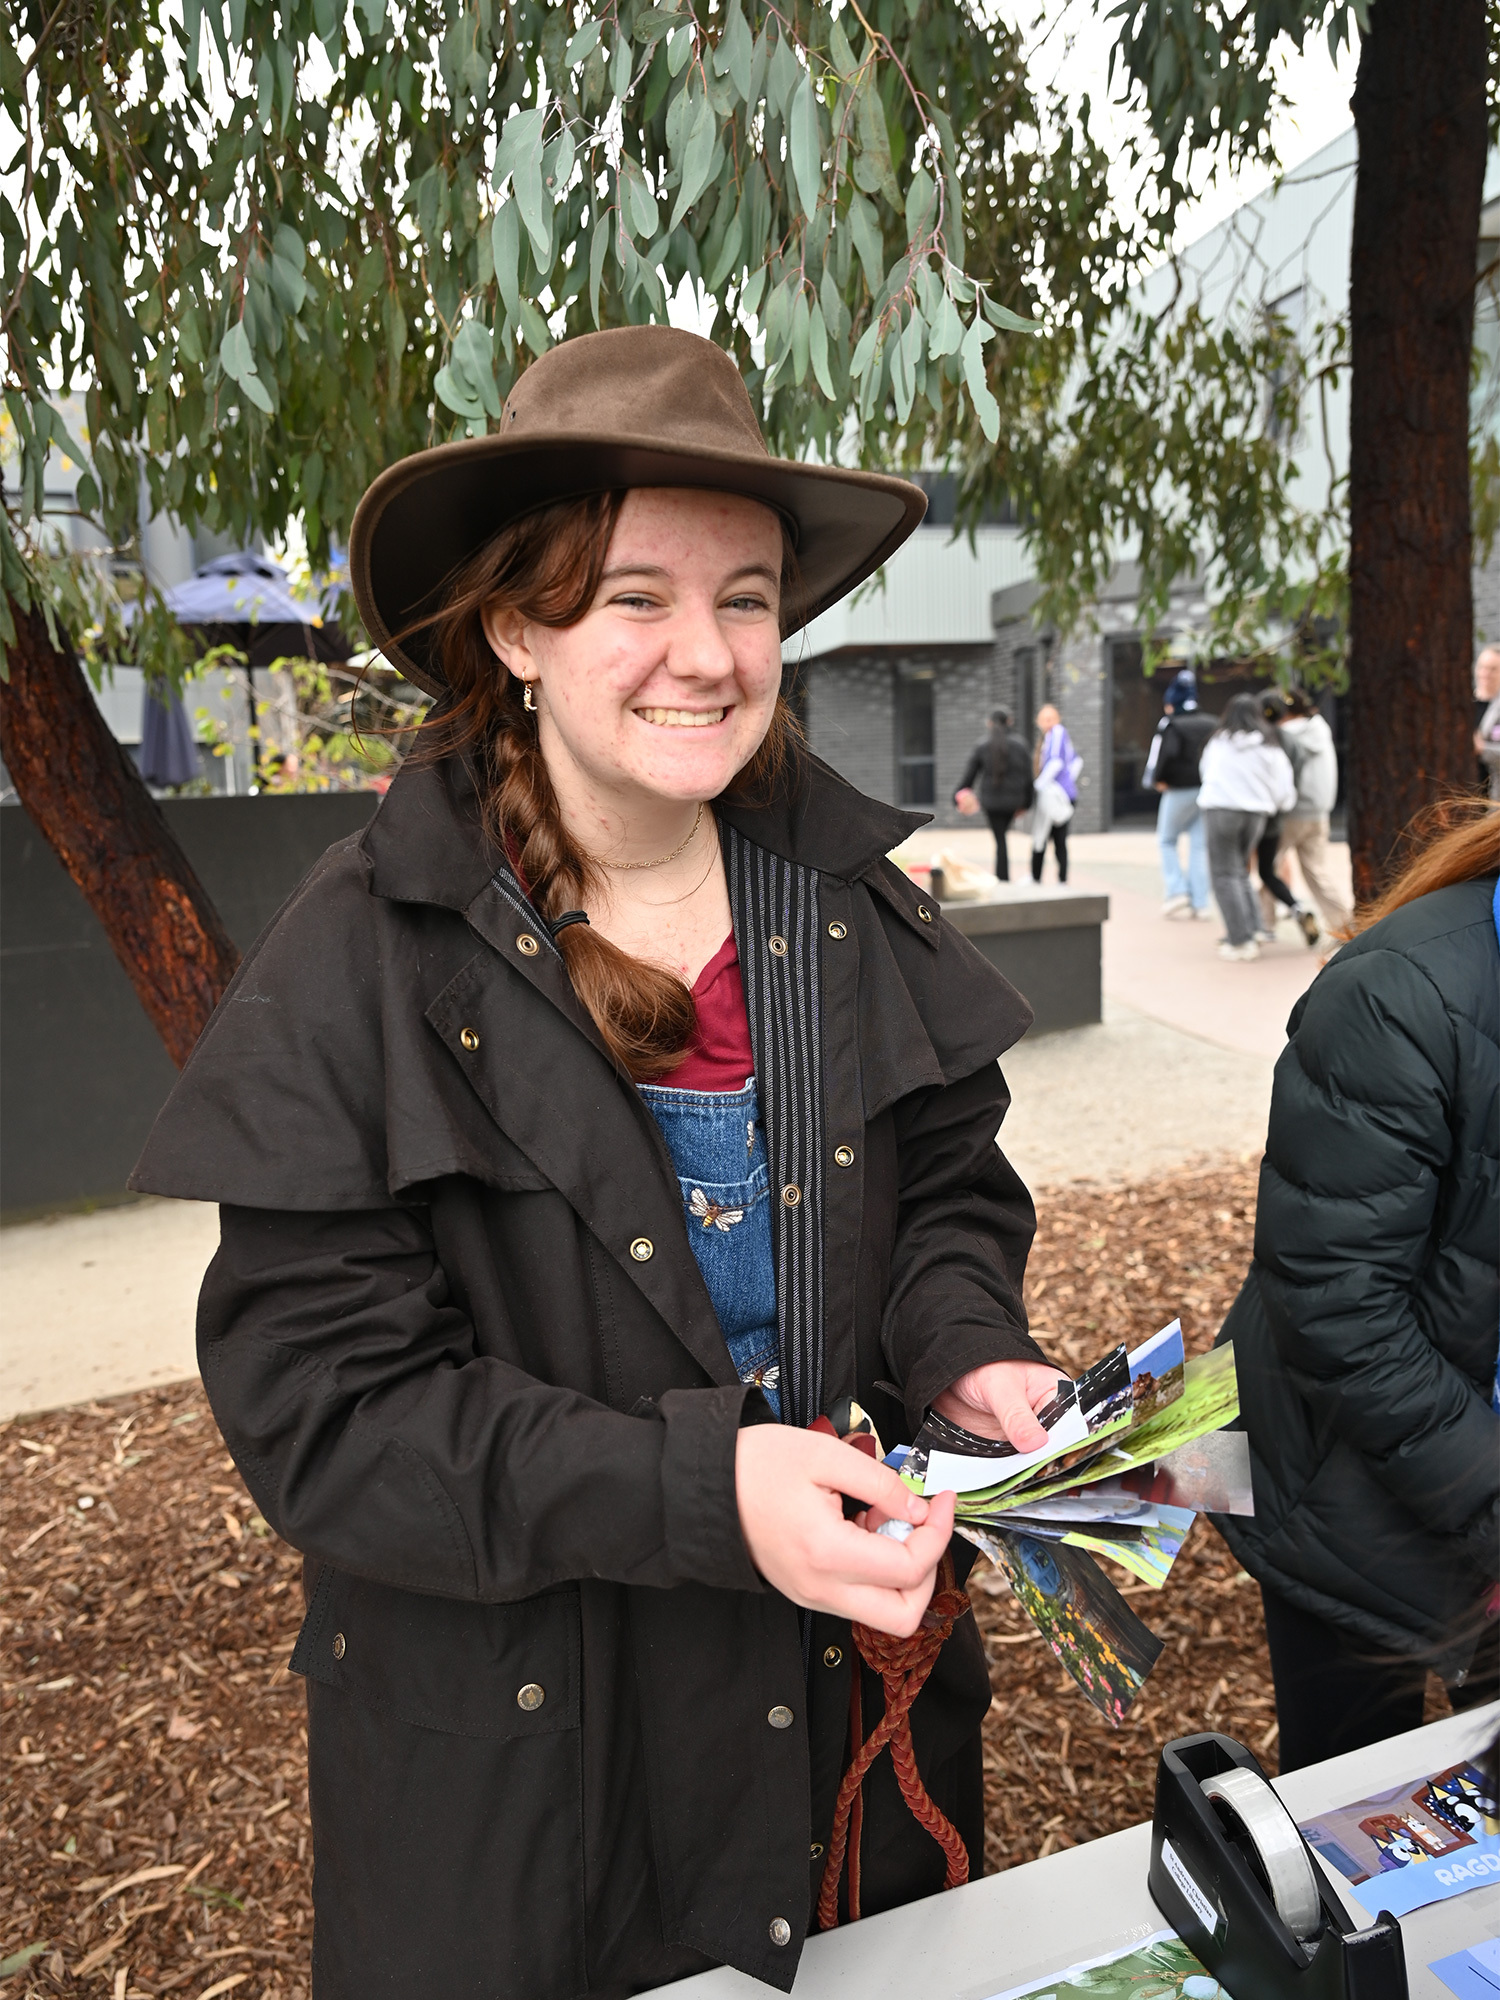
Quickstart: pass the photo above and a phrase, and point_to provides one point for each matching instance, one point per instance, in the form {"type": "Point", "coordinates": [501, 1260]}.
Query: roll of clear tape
{"type": "Point", "coordinates": [1283, 1854]}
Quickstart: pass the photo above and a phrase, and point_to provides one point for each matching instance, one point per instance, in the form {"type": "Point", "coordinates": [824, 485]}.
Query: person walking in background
{"type": "Point", "coordinates": [1487, 726]}
{"type": "Point", "coordinates": [1365, 1332]}
{"type": "Point", "coordinates": [1274, 887]}
{"type": "Point", "coordinates": [1057, 767]}
{"type": "Point", "coordinates": [1246, 776]}
{"type": "Point", "coordinates": [1304, 830]}
{"type": "Point", "coordinates": [1172, 769]}
{"type": "Point", "coordinates": [1002, 764]}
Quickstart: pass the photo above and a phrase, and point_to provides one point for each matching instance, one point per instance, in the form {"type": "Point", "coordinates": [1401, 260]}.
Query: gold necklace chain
{"type": "Point", "coordinates": [661, 861]}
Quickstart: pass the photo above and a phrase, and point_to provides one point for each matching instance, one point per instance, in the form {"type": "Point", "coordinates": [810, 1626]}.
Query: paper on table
{"type": "Point", "coordinates": [1417, 1843]}
{"type": "Point", "coordinates": [1473, 1974]}
{"type": "Point", "coordinates": [1160, 1966]}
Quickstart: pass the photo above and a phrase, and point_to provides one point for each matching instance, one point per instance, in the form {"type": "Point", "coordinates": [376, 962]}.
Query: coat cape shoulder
{"type": "Point", "coordinates": [326, 1079]}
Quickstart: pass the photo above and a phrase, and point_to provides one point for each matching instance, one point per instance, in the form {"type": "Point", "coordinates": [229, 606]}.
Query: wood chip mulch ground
{"type": "Point", "coordinates": [156, 1836]}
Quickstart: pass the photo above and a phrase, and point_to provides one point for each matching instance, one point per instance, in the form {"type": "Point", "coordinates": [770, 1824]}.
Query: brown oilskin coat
{"type": "Point", "coordinates": [506, 1447]}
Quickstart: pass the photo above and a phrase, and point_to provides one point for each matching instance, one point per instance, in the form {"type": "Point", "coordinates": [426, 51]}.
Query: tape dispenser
{"type": "Point", "coordinates": [1235, 1879]}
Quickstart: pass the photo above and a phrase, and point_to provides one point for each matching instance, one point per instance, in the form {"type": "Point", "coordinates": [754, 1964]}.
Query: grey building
{"type": "Point", "coordinates": [896, 685]}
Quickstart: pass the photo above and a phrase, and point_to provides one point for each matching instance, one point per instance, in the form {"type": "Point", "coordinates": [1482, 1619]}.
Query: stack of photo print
{"type": "Point", "coordinates": [1136, 1449]}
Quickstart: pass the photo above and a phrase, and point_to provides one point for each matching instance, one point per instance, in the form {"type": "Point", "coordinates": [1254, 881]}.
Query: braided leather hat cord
{"type": "Point", "coordinates": [903, 1666]}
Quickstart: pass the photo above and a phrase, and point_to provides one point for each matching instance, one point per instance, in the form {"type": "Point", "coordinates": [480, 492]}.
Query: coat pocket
{"type": "Point", "coordinates": [499, 1671]}
{"type": "Point", "coordinates": [445, 1778]}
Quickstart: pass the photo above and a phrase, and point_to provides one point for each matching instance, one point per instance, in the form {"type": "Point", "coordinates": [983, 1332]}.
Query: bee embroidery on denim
{"type": "Point", "coordinates": [766, 1376]}
{"type": "Point", "coordinates": [712, 1214]}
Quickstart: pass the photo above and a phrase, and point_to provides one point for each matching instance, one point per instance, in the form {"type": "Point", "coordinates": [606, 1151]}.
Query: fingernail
{"type": "Point", "coordinates": [916, 1508]}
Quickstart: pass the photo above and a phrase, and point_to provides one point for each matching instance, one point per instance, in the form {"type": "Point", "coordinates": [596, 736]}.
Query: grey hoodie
{"type": "Point", "coordinates": [1317, 764]}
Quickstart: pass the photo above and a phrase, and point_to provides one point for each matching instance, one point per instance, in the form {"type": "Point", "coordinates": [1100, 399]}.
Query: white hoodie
{"type": "Point", "coordinates": [1244, 773]}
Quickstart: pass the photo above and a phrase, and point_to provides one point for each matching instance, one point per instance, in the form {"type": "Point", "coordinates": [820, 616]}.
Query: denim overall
{"type": "Point", "coordinates": [718, 1146]}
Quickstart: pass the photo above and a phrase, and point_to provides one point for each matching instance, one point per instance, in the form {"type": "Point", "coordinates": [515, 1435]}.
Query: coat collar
{"type": "Point", "coordinates": [425, 844]}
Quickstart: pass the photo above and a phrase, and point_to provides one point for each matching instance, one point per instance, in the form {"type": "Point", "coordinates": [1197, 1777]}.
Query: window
{"type": "Point", "coordinates": [916, 764]}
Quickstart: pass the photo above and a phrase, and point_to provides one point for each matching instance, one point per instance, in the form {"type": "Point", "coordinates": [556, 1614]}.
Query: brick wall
{"type": "Point", "coordinates": [851, 715]}
{"type": "Point", "coordinates": [851, 719]}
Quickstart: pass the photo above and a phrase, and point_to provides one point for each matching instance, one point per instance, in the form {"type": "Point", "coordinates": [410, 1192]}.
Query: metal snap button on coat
{"type": "Point", "coordinates": [531, 1696]}
{"type": "Point", "coordinates": [843, 1156]}
{"type": "Point", "coordinates": [338, 1645]}
{"type": "Point", "coordinates": [833, 1657]}
{"type": "Point", "coordinates": [781, 1931]}
{"type": "Point", "coordinates": [643, 1249]}
{"type": "Point", "coordinates": [791, 1194]}
{"type": "Point", "coordinates": [924, 913]}
{"type": "Point", "coordinates": [778, 946]}
{"type": "Point", "coordinates": [838, 930]}
{"type": "Point", "coordinates": [780, 1718]}
{"type": "Point", "coordinates": [527, 943]}
{"type": "Point", "coordinates": [469, 1039]}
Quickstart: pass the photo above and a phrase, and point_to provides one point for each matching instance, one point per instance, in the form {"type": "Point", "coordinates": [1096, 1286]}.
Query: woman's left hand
{"type": "Point", "coordinates": [1001, 1400]}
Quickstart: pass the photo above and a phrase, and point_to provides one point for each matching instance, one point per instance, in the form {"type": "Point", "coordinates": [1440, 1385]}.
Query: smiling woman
{"type": "Point", "coordinates": [607, 1115]}
{"type": "Point", "coordinates": [637, 638]}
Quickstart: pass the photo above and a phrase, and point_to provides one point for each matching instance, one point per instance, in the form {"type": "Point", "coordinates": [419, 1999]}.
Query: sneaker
{"type": "Point", "coordinates": [1176, 906]}
{"type": "Point", "coordinates": [1309, 923]}
{"type": "Point", "coordinates": [1265, 937]}
{"type": "Point", "coordinates": [1203, 915]}
{"type": "Point", "coordinates": [1240, 951]}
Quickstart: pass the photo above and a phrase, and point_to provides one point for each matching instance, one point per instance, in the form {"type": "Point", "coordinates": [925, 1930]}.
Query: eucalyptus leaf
{"type": "Point", "coordinates": [505, 242]}
{"type": "Point", "coordinates": [520, 139]}
{"type": "Point", "coordinates": [620, 70]}
{"type": "Point", "coordinates": [679, 48]}
{"type": "Point", "coordinates": [735, 54]}
{"type": "Point", "coordinates": [804, 139]}
{"type": "Point", "coordinates": [583, 43]}
{"type": "Point", "coordinates": [697, 159]}
{"type": "Point", "coordinates": [1008, 321]}
{"type": "Point", "coordinates": [866, 233]}
{"type": "Point", "coordinates": [818, 349]}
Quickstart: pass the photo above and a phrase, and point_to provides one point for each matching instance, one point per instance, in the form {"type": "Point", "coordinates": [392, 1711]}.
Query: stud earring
{"type": "Point", "coordinates": [526, 699]}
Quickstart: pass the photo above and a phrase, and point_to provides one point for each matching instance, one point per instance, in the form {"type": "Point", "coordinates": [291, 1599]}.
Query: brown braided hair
{"type": "Point", "coordinates": [546, 566]}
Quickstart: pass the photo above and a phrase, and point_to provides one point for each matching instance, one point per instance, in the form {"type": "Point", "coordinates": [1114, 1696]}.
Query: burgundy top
{"type": "Point", "coordinates": [719, 1056]}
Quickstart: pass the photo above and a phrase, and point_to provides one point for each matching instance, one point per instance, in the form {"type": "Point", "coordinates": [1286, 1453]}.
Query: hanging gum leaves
{"type": "Point", "coordinates": [356, 228]}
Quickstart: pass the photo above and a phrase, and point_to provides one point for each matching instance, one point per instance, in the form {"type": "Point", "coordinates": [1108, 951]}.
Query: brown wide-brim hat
{"type": "Point", "coordinates": [636, 406]}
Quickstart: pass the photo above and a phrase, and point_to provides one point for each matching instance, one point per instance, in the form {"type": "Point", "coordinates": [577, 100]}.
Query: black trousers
{"type": "Point", "coordinates": [1059, 848]}
{"type": "Point", "coordinates": [1336, 1693]}
{"type": "Point", "coordinates": [999, 823]}
{"type": "Point", "coordinates": [1265, 863]}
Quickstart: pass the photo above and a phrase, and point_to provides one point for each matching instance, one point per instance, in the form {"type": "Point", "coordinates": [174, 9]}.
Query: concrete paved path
{"type": "Point", "coordinates": [1178, 1071]}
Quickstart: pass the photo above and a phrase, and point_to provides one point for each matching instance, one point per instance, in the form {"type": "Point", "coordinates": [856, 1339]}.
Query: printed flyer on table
{"type": "Point", "coordinates": [1418, 1843]}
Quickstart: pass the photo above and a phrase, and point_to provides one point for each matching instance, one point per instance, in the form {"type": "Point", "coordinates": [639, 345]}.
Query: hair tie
{"type": "Point", "coordinates": [568, 917]}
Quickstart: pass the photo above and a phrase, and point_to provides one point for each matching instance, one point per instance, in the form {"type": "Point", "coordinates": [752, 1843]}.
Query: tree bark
{"type": "Point", "coordinates": [87, 800]}
{"type": "Point", "coordinates": [1419, 114]}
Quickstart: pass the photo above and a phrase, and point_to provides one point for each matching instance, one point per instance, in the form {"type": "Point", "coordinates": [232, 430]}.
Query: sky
{"type": "Point", "coordinates": [1069, 44]}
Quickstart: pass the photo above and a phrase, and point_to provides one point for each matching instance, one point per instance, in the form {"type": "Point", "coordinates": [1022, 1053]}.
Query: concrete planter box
{"type": "Point", "coordinates": [1046, 941]}
{"type": "Point", "coordinates": [82, 1072]}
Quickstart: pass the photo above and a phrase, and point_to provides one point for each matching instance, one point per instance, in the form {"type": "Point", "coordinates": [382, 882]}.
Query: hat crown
{"type": "Point", "coordinates": [652, 383]}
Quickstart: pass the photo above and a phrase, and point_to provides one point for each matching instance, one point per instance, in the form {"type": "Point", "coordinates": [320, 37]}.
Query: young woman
{"type": "Point", "coordinates": [1365, 1333]}
{"type": "Point", "coordinates": [606, 1114]}
{"type": "Point", "coordinates": [1057, 767]}
{"type": "Point", "coordinates": [1245, 778]}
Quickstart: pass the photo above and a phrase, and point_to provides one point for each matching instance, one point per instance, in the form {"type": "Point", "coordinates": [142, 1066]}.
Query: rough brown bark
{"type": "Point", "coordinates": [87, 800]}
{"type": "Point", "coordinates": [1419, 114]}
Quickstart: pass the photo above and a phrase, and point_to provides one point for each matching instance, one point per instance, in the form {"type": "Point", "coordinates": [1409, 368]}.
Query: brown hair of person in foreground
{"type": "Point", "coordinates": [1455, 840]}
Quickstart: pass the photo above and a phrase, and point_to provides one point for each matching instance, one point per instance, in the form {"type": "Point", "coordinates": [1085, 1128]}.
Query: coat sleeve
{"type": "Point", "coordinates": [971, 769]}
{"type": "Point", "coordinates": [1361, 1131]}
{"type": "Point", "coordinates": [964, 1228]}
{"type": "Point", "coordinates": [375, 1437]}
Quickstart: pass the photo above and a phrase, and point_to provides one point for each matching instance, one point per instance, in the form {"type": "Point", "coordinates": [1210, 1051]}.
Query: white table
{"type": "Point", "coordinates": [1033, 1921]}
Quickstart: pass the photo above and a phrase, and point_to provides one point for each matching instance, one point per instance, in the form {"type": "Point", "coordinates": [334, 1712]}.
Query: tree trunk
{"type": "Point", "coordinates": [86, 798]}
{"type": "Point", "coordinates": [1419, 114]}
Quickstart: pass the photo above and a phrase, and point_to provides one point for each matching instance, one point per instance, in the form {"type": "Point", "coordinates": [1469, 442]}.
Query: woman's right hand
{"type": "Point", "coordinates": [790, 1486]}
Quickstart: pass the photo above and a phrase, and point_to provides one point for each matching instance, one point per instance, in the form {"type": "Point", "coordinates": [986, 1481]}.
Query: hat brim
{"type": "Point", "coordinates": [427, 514]}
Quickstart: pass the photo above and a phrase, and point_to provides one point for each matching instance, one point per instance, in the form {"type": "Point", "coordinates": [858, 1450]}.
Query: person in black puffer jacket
{"type": "Point", "coordinates": [1365, 1332]}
